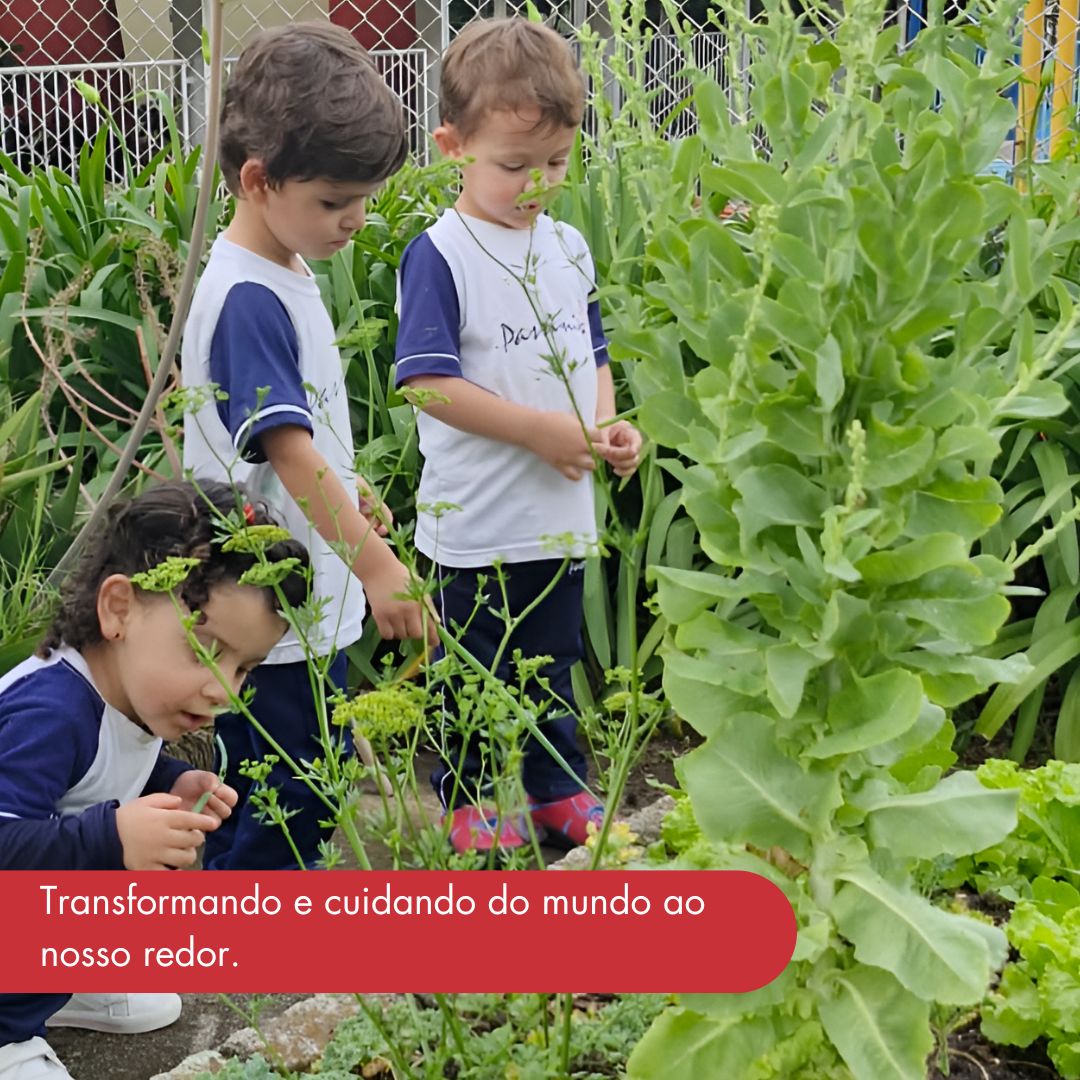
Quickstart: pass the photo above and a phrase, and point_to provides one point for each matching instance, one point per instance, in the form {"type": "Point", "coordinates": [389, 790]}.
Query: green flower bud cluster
{"type": "Point", "coordinates": [267, 575]}
{"type": "Point", "coordinates": [254, 539]}
{"type": "Point", "coordinates": [380, 715]}
{"type": "Point", "coordinates": [166, 575]}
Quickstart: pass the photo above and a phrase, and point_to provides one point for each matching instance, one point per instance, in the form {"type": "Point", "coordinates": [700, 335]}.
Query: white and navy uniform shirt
{"type": "Point", "coordinates": [67, 760]}
{"type": "Point", "coordinates": [261, 334]}
{"type": "Point", "coordinates": [464, 312]}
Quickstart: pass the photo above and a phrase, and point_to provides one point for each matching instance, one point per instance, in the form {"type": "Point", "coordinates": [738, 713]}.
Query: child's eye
{"type": "Point", "coordinates": [327, 205]}
{"type": "Point", "coordinates": [513, 168]}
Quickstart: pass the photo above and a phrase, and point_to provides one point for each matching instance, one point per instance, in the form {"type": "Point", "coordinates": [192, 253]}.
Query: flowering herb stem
{"type": "Point", "coordinates": [204, 798]}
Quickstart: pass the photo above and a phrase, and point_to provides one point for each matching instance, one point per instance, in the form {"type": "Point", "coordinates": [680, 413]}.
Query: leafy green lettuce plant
{"type": "Point", "coordinates": [838, 370]}
{"type": "Point", "coordinates": [1046, 840]}
{"type": "Point", "coordinates": [1039, 995]}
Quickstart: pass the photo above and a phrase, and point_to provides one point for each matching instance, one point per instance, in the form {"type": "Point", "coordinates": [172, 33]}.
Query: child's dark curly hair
{"type": "Point", "coordinates": [170, 519]}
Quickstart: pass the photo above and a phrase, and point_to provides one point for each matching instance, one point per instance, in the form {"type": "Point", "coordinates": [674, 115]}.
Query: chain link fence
{"type": "Point", "coordinates": [142, 60]}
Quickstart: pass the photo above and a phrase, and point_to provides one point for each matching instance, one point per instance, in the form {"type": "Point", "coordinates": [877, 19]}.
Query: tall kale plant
{"type": "Point", "coordinates": [837, 365]}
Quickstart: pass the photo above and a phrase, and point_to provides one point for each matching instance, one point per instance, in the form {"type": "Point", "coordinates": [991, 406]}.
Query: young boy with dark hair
{"type": "Point", "coordinates": [497, 316]}
{"type": "Point", "coordinates": [308, 132]}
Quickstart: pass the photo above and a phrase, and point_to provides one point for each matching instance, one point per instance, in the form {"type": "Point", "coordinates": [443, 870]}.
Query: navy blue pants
{"type": "Point", "coordinates": [22, 1016]}
{"type": "Point", "coordinates": [552, 629]}
{"type": "Point", "coordinates": [285, 706]}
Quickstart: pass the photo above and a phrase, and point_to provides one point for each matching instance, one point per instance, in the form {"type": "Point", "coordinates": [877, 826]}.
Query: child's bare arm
{"type": "Point", "coordinates": [308, 478]}
{"type": "Point", "coordinates": [555, 437]}
{"type": "Point", "coordinates": [156, 834]}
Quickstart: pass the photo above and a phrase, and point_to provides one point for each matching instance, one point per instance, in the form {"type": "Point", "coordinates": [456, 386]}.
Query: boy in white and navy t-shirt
{"type": "Point", "coordinates": [496, 316]}
{"type": "Point", "coordinates": [308, 132]}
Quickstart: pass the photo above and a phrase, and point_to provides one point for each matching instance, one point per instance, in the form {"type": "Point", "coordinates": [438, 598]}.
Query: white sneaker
{"type": "Point", "coordinates": [34, 1059]}
{"type": "Point", "coordinates": [125, 1014]}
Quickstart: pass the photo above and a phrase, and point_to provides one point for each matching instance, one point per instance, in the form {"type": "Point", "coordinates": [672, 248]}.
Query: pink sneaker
{"type": "Point", "coordinates": [473, 829]}
{"type": "Point", "coordinates": [566, 820]}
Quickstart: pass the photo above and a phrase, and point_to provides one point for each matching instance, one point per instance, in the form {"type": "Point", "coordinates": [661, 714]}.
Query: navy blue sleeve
{"type": "Point", "coordinates": [165, 773]}
{"type": "Point", "coordinates": [48, 739]}
{"type": "Point", "coordinates": [86, 841]}
{"type": "Point", "coordinates": [596, 328]}
{"type": "Point", "coordinates": [48, 728]}
{"type": "Point", "coordinates": [429, 317]}
{"type": "Point", "coordinates": [255, 360]}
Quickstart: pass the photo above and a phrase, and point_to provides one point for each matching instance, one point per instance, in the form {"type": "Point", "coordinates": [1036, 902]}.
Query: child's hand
{"type": "Point", "coordinates": [156, 834]}
{"type": "Point", "coordinates": [194, 783]}
{"type": "Point", "coordinates": [395, 615]}
{"type": "Point", "coordinates": [620, 446]}
{"type": "Point", "coordinates": [558, 439]}
{"type": "Point", "coordinates": [373, 509]}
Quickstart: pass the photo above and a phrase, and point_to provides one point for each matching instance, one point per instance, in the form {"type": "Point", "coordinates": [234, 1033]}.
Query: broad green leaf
{"type": "Point", "coordinates": [682, 594]}
{"type": "Point", "coordinates": [754, 181]}
{"type": "Point", "coordinates": [829, 373]}
{"type": "Point", "coordinates": [1013, 1013]}
{"type": "Point", "coordinates": [686, 1044]}
{"type": "Point", "coordinates": [1039, 401]}
{"type": "Point", "coordinates": [737, 673]}
{"type": "Point", "coordinates": [704, 705]}
{"type": "Point", "coordinates": [881, 1030]}
{"type": "Point", "coordinates": [667, 417]}
{"type": "Point", "coordinates": [896, 454]}
{"type": "Point", "coordinates": [968, 443]}
{"type": "Point", "coordinates": [910, 561]}
{"type": "Point", "coordinates": [973, 621]}
{"type": "Point", "coordinates": [786, 668]}
{"type": "Point", "coordinates": [936, 955]}
{"type": "Point", "coordinates": [797, 259]}
{"type": "Point", "coordinates": [967, 507]}
{"type": "Point", "coordinates": [956, 817]}
{"type": "Point", "coordinates": [868, 712]}
{"type": "Point", "coordinates": [1018, 259]}
{"type": "Point", "coordinates": [778, 495]}
{"type": "Point", "coordinates": [745, 789]}
{"type": "Point", "coordinates": [792, 423]}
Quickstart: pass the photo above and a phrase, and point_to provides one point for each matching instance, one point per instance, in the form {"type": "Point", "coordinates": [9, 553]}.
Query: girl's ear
{"type": "Point", "coordinates": [253, 181]}
{"type": "Point", "coordinates": [448, 140]}
{"type": "Point", "coordinates": [115, 605]}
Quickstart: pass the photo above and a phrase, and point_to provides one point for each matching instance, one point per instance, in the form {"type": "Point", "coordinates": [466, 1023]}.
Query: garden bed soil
{"type": "Point", "coordinates": [972, 1057]}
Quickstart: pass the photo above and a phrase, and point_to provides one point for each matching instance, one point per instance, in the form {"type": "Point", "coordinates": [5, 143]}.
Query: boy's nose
{"type": "Point", "coordinates": [354, 220]}
{"type": "Point", "coordinates": [215, 693]}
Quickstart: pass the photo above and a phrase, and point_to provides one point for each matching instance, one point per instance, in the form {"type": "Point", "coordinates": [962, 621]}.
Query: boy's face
{"type": "Point", "coordinates": [502, 155]}
{"type": "Point", "coordinates": [313, 218]}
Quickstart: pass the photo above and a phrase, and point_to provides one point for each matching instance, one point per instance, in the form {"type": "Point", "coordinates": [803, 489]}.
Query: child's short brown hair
{"type": "Point", "coordinates": [510, 64]}
{"type": "Point", "coordinates": [307, 101]}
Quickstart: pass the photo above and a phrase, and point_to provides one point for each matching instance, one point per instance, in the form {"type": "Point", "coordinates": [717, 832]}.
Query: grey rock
{"type": "Point", "coordinates": [299, 1035]}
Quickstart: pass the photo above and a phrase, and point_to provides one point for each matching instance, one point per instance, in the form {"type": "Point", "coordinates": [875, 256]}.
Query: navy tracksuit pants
{"type": "Point", "coordinates": [22, 1016]}
{"type": "Point", "coordinates": [552, 629]}
{"type": "Point", "coordinates": [285, 706]}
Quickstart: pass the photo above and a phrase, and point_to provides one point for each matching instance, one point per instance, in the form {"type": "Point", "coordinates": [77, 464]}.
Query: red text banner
{"type": "Point", "coordinates": [660, 931]}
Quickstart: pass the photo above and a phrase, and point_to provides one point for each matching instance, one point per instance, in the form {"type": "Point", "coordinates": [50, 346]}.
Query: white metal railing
{"type": "Point", "coordinates": [48, 114]}
{"type": "Point", "coordinates": [45, 119]}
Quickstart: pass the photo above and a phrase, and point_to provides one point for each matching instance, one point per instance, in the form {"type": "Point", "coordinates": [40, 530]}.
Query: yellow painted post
{"type": "Point", "coordinates": [1062, 107]}
{"type": "Point", "coordinates": [1031, 57]}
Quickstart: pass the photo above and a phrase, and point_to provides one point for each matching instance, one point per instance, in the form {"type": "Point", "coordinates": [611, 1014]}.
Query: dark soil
{"type": "Point", "coordinates": [656, 768]}
{"type": "Point", "coordinates": [971, 1057]}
